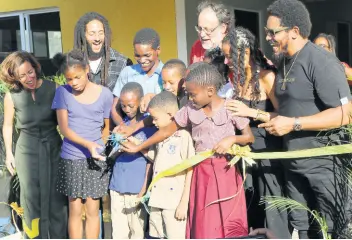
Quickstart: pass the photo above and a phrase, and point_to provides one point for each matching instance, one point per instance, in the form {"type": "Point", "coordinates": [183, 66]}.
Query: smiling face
{"type": "Point", "coordinates": [171, 80]}
{"type": "Point", "coordinates": [130, 104]}
{"type": "Point", "coordinates": [146, 56]}
{"type": "Point", "coordinates": [27, 76]}
{"type": "Point", "coordinates": [277, 36]}
{"type": "Point", "coordinates": [95, 36]}
{"type": "Point", "coordinates": [77, 77]}
{"type": "Point", "coordinates": [226, 48]}
{"type": "Point", "coordinates": [210, 30]}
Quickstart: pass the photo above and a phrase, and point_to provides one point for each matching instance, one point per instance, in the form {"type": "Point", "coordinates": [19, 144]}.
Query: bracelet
{"type": "Point", "coordinates": [261, 115]}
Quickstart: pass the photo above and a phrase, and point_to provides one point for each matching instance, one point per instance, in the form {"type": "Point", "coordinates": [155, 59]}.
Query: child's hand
{"type": "Point", "coordinates": [124, 130]}
{"type": "Point", "coordinates": [134, 140]}
{"type": "Point", "coordinates": [224, 145]}
{"type": "Point", "coordinates": [129, 147]}
{"type": "Point", "coordinates": [181, 211]}
{"type": "Point", "coordinates": [93, 149]}
{"type": "Point", "coordinates": [142, 192]}
{"type": "Point", "coordinates": [145, 101]}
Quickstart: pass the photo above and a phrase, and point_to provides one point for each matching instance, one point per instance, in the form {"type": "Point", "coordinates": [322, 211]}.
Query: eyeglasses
{"type": "Point", "coordinates": [273, 32]}
{"type": "Point", "coordinates": [206, 30]}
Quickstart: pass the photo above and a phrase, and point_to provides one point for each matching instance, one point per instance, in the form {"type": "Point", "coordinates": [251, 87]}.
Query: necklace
{"type": "Point", "coordinates": [286, 79]}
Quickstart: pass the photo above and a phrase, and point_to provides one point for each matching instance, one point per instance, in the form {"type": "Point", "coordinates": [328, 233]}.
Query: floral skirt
{"type": "Point", "coordinates": [83, 178]}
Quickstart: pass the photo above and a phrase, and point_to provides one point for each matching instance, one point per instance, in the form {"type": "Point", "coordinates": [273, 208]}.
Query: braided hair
{"type": "Point", "coordinates": [205, 74]}
{"type": "Point", "coordinates": [246, 39]}
{"type": "Point", "coordinates": [74, 58]}
{"type": "Point", "coordinates": [80, 41]}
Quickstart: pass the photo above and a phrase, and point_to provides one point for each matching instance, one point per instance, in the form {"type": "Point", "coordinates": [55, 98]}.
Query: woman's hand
{"type": "Point", "coordinates": [10, 163]}
{"type": "Point", "coordinates": [240, 109]}
{"type": "Point", "coordinates": [94, 148]}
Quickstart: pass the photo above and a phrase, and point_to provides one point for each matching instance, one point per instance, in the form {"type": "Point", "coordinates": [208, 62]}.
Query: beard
{"type": "Point", "coordinates": [277, 59]}
{"type": "Point", "coordinates": [95, 55]}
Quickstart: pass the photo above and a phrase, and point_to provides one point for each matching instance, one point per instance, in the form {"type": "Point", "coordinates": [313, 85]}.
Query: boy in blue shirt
{"type": "Point", "coordinates": [130, 172]}
{"type": "Point", "coordinates": [147, 71]}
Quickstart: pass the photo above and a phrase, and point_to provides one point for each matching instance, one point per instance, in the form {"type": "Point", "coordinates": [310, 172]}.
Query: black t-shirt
{"type": "Point", "coordinates": [316, 82]}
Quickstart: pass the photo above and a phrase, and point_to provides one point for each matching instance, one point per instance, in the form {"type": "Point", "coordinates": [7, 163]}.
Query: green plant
{"type": "Point", "coordinates": [287, 204]}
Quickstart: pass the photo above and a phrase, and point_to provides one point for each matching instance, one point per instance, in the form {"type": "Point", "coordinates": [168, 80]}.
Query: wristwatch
{"type": "Point", "coordinates": [297, 125]}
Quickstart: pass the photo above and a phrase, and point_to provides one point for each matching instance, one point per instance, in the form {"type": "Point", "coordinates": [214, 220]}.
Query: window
{"type": "Point", "coordinates": [38, 32]}
{"type": "Point", "coordinates": [343, 42]}
{"type": "Point", "coordinates": [249, 20]}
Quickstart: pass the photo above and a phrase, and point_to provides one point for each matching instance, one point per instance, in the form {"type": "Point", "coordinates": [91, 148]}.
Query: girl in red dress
{"type": "Point", "coordinates": [217, 206]}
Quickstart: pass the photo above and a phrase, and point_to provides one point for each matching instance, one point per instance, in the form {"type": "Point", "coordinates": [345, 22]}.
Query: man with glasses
{"type": "Point", "coordinates": [313, 96]}
{"type": "Point", "coordinates": [214, 20]}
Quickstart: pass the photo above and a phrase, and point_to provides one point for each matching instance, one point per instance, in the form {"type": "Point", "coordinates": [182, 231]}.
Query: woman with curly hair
{"type": "Point", "coordinates": [254, 98]}
{"type": "Point", "coordinates": [38, 147]}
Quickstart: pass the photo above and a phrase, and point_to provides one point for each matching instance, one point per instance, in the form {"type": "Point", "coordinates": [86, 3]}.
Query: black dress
{"type": "Point", "coordinates": [265, 179]}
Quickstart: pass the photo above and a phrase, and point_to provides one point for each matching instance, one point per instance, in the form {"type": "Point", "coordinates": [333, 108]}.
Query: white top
{"type": "Point", "coordinates": [94, 65]}
{"type": "Point", "coordinates": [226, 91]}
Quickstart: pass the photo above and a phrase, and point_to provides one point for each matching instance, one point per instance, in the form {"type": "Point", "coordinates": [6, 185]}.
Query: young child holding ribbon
{"type": "Point", "coordinates": [217, 207]}
{"type": "Point", "coordinates": [130, 172]}
{"type": "Point", "coordinates": [169, 197]}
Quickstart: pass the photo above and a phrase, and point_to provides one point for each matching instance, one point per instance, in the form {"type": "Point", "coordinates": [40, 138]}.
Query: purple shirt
{"type": "Point", "coordinates": [208, 131]}
{"type": "Point", "coordinates": [86, 120]}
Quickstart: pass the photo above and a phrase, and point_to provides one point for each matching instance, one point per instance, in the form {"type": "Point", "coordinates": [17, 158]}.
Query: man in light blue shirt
{"type": "Point", "coordinates": [147, 71]}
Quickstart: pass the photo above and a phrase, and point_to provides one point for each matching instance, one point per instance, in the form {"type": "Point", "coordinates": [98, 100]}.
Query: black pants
{"type": "Point", "coordinates": [318, 184]}
{"type": "Point", "coordinates": [271, 183]}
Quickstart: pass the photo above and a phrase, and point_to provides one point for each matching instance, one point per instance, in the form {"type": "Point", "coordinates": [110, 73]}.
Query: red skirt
{"type": "Point", "coordinates": [212, 180]}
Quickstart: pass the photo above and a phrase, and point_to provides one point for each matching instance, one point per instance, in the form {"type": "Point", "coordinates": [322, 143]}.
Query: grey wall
{"type": "Point", "coordinates": [254, 5]}
{"type": "Point", "coordinates": [324, 16]}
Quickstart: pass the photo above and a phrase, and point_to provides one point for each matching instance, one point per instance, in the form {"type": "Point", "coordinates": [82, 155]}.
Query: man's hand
{"type": "Point", "coordinates": [279, 125]}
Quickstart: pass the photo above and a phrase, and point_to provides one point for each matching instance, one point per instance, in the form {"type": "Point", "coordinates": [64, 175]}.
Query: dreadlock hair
{"type": "Point", "coordinates": [80, 41]}
{"type": "Point", "coordinates": [292, 13]}
{"type": "Point", "coordinates": [177, 64]}
{"type": "Point", "coordinates": [205, 75]}
{"type": "Point", "coordinates": [147, 36]}
{"type": "Point", "coordinates": [246, 39]}
{"type": "Point", "coordinates": [330, 39]}
{"type": "Point", "coordinates": [164, 101]}
{"type": "Point", "coordinates": [217, 58]}
{"type": "Point", "coordinates": [70, 59]}
{"type": "Point", "coordinates": [134, 87]}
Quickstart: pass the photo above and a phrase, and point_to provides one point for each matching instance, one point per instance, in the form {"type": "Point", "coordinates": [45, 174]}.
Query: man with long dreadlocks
{"type": "Point", "coordinates": [214, 20]}
{"type": "Point", "coordinates": [313, 96]}
{"type": "Point", "coordinates": [93, 37]}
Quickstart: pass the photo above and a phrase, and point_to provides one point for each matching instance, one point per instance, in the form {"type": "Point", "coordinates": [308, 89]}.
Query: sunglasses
{"type": "Point", "coordinates": [273, 32]}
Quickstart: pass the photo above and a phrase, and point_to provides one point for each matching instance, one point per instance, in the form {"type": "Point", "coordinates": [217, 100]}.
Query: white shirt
{"type": "Point", "coordinates": [94, 65]}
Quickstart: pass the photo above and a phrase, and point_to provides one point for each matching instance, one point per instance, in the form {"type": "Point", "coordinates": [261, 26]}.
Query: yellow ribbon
{"type": "Point", "coordinates": [248, 157]}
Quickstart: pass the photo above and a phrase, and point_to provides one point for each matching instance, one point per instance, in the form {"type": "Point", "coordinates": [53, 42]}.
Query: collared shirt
{"type": "Point", "coordinates": [167, 192]}
{"type": "Point", "coordinates": [135, 73]}
{"type": "Point", "coordinates": [117, 63]}
{"type": "Point", "coordinates": [208, 131]}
